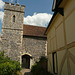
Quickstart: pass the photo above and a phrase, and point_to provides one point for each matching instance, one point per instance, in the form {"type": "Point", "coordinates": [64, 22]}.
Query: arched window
{"type": "Point", "coordinates": [14, 18]}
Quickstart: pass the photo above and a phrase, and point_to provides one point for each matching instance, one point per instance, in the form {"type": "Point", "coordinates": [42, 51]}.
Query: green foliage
{"type": "Point", "coordinates": [19, 73]}
{"type": "Point", "coordinates": [2, 53]}
{"type": "Point", "coordinates": [7, 66]}
{"type": "Point", "coordinates": [43, 59]}
{"type": "Point", "coordinates": [38, 69]}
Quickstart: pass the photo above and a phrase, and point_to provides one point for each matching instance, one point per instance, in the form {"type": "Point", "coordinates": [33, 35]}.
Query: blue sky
{"type": "Point", "coordinates": [35, 11]}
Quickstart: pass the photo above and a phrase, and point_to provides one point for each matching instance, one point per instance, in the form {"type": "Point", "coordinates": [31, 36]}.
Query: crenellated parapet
{"type": "Point", "coordinates": [13, 7]}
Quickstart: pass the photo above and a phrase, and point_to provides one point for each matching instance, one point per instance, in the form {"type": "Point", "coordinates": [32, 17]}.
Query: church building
{"type": "Point", "coordinates": [24, 43]}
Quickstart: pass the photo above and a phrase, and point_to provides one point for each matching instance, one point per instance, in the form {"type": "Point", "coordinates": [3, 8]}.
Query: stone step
{"type": "Point", "coordinates": [26, 72]}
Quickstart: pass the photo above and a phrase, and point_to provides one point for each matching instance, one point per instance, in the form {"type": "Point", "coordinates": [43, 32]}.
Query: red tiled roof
{"type": "Point", "coordinates": [34, 30]}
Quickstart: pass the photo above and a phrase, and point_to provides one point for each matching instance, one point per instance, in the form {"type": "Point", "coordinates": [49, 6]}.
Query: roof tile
{"type": "Point", "coordinates": [34, 30]}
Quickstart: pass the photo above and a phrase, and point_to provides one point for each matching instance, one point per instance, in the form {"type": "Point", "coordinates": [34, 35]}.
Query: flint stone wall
{"type": "Point", "coordinates": [35, 46]}
{"type": "Point", "coordinates": [12, 32]}
{"type": "Point", "coordinates": [12, 41]}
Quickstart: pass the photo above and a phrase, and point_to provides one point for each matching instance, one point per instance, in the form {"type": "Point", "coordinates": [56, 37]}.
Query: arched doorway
{"type": "Point", "coordinates": [26, 61]}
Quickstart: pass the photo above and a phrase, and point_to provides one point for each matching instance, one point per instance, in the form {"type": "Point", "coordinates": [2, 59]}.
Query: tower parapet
{"type": "Point", "coordinates": [13, 7]}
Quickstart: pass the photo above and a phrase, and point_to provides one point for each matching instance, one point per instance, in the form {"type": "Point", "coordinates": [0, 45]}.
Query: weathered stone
{"type": "Point", "coordinates": [12, 41]}
{"type": "Point", "coordinates": [12, 31]}
{"type": "Point", "coordinates": [35, 47]}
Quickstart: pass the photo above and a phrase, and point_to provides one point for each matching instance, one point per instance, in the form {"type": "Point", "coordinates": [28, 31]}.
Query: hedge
{"type": "Point", "coordinates": [7, 66]}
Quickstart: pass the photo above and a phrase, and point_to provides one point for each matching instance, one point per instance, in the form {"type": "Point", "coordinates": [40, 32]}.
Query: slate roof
{"type": "Point", "coordinates": [30, 30]}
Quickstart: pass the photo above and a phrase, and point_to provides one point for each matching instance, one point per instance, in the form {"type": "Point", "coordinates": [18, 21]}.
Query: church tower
{"type": "Point", "coordinates": [12, 30]}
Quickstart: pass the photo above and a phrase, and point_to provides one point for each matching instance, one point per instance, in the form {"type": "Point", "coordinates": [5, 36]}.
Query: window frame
{"type": "Point", "coordinates": [55, 58]}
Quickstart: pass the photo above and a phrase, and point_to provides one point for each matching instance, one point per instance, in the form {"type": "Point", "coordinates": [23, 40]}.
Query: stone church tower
{"type": "Point", "coordinates": [24, 43]}
{"type": "Point", "coordinates": [12, 30]}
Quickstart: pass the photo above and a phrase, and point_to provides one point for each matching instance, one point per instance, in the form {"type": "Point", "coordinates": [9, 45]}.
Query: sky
{"type": "Point", "coordinates": [37, 12]}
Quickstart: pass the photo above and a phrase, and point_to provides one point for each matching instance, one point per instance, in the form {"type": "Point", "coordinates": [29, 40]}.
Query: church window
{"type": "Point", "coordinates": [14, 18]}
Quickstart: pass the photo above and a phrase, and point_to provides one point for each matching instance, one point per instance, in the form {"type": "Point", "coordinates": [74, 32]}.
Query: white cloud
{"type": "Point", "coordinates": [1, 16]}
{"type": "Point", "coordinates": [39, 19]}
{"type": "Point", "coordinates": [1, 4]}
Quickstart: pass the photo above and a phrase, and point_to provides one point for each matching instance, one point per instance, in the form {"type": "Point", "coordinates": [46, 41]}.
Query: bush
{"type": "Point", "coordinates": [43, 59]}
{"type": "Point", "coordinates": [7, 66]}
{"type": "Point", "coordinates": [39, 69]}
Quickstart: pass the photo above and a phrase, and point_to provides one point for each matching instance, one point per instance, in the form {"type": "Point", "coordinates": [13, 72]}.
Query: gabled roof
{"type": "Point", "coordinates": [30, 30]}
{"type": "Point", "coordinates": [55, 13]}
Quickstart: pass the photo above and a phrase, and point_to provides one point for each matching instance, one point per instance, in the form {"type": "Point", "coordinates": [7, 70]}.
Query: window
{"type": "Point", "coordinates": [55, 69]}
{"type": "Point", "coordinates": [14, 18]}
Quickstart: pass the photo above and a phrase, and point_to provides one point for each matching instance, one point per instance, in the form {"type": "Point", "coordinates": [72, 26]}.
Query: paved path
{"type": "Point", "coordinates": [26, 72]}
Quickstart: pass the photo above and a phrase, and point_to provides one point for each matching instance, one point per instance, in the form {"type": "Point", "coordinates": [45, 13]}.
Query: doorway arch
{"type": "Point", "coordinates": [26, 61]}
